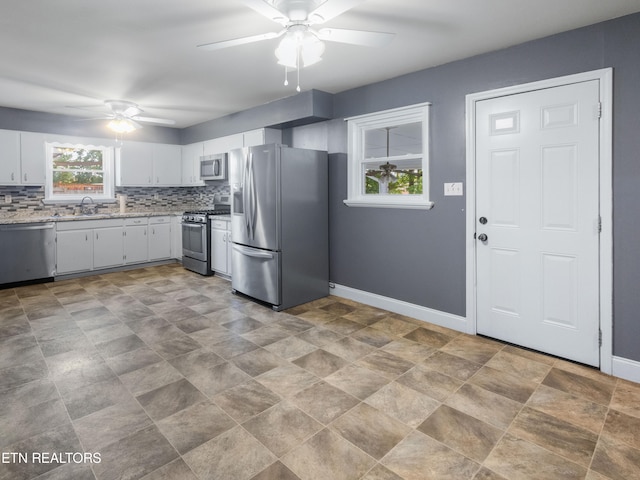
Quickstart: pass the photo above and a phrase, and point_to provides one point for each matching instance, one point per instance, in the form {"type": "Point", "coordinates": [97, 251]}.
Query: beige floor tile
{"type": "Point", "coordinates": [327, 455]}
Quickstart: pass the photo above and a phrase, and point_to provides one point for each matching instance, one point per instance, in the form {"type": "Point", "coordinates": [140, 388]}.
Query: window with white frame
{"type": "Point", "coordinates": [77, 171]}
{"type": "Point", "coordinates": [389, 158]}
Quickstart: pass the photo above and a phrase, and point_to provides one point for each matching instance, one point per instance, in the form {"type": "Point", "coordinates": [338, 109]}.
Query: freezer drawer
{"type": "Point", "coordinates": [256, 273]}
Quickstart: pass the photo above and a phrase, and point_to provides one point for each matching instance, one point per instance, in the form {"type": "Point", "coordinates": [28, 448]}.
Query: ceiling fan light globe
{"type": "Point", "coordinates": [121, 125]}
{"type": "Point", "coordinates": [303, 44]}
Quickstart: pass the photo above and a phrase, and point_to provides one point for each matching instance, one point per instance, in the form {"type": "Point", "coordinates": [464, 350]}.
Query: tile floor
{"type": "Point", "coordinates": [165, 374]}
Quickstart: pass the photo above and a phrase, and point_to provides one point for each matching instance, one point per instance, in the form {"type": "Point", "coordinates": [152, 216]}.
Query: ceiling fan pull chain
{"type": "Point", "coordinates": [298, 68]}
{"type": "Point", "coordinates": [286, 73]}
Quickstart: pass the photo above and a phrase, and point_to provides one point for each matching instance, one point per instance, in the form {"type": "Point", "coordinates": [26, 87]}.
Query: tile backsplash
{"type": "Point", "coordinates": [29, 200]}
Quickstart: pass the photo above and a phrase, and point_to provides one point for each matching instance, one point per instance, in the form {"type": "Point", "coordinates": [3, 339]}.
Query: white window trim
{"type": "Point", "coordinates": [357, 126]}
{"type": "Point", "coordinates": [109, 174]}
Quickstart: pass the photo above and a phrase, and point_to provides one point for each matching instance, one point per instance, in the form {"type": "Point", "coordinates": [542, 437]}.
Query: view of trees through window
{"type": "Point", "coordinates": [396, 181]}
{"type": "Point", "coordinates": [77, 171]}
{"type": "Point", "coordinates": [393, 160]}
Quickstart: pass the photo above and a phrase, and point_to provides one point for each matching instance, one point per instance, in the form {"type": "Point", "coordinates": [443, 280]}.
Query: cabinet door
{"type": "Point", "coordinates": [33, 165]}
{"type": "Point", "coordinates": [261, 136]}
{"type": "Point", "coordinates": [136, 248]}
{"type": "Point", "coordinates": [191, 164]}
{"type": "Point", "coordinates": [159, 241]}
{"type": "Point", "coordinates": [107, 247]}
{"type": "Point", "coordinates": [167, 164]}
{"type": "Point", "coordinates": [219, 251]}
{"type": "Point", "coordinates": [74, 251]}
{"type": "Point", "coordinates": [223, 144]}
{"type": "Point", "coordinates": [176, 237]}
{"type": "Point", "coordinates": [9, 157]}
{"type": "Point", "coordinates": [229, 249]}
{"type": "Point", "coordinates": [135, 164]}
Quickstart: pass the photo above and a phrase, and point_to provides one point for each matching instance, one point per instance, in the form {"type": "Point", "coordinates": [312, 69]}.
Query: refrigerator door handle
{"type": "Point", "coordinates": [250, 252]}
{"type": "Point", "coordinates": [245, 197]}
{"type": "Point", "coordinates": [252, 199]}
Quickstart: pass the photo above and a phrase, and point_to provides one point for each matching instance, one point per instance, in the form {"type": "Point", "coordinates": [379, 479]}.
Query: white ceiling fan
{"type": "Point", "coordinates": [125, 116]}
{"type": "Point", "coordinates": [302, 45]}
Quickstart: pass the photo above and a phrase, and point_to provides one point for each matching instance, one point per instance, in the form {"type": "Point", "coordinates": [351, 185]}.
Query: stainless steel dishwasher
{"type": "Point", "coordinates": [27, 252]}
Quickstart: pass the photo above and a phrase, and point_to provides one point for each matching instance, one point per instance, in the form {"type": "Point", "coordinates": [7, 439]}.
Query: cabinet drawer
{"type": "Point", "coordinates": [157, 220]}
{"type": "Point", "coordinates": [220, 224]}
{"type": "Point", "coordinates": [87, 224]}
{"type": "Point", "coordinates": [135, 221]}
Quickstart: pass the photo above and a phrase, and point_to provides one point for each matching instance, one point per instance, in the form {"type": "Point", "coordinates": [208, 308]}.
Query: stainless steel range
{"type": "Point", "coordinates": [196, 238]}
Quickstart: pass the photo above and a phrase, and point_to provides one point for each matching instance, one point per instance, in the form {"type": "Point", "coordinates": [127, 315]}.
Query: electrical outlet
{"type": "Point", "coordinates": [453, 189]}
{"type": "Point", "coordinates": [7, 199]}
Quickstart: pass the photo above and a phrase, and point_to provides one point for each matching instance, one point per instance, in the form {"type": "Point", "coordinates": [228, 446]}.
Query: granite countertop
{"type": "Point", "coordinates": [8, 219]}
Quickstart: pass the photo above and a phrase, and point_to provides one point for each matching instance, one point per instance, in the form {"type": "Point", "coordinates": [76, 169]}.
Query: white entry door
{"type": "Point", "coordinates": [537, 205]}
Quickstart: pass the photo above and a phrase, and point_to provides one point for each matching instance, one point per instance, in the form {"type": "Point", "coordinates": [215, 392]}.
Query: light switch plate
{"type": "Point", "coordinates": [453, 189]}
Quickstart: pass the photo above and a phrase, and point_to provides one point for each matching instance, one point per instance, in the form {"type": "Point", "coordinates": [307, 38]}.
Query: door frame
{"type": "Point", "coordinates": [605, 77]}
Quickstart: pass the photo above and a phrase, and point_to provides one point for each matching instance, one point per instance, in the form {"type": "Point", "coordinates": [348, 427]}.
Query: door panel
{"type": "Point", "coordinates": [256, 273]}
{"type": "Point", "coordinates": [537, 183]}
{"type": "Point", "coordinates": [255, 183]}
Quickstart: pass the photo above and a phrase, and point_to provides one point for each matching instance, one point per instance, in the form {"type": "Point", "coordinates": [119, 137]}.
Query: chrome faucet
{"type": "Point", "coordinates": [87, 210]}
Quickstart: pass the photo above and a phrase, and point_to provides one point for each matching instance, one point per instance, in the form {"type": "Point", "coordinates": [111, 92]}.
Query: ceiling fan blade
{"type": "Point", "coordinates": [161, 121]}
{"type": "Point", "coordinates": [240, 41]}
{"type": "Point", "coordinates": [132, 111]}
{"type": "Point", "coordinates": [331, 9]}
{"type": "Point", "coordinates": [269, 11]}
{"type": "Point", "coordinates": [356, 37]}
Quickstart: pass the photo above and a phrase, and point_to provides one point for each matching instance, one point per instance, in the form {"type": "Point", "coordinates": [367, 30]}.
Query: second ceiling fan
{"type": "Point", "coordinates": [302, 45]}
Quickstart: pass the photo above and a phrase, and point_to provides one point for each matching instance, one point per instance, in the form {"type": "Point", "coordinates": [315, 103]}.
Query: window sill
{"type": "Point", "coordinates": [379, 203]}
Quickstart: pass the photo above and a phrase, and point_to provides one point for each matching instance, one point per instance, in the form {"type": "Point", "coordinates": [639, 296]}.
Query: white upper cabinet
{"type": "Point", "coordinates": [33, 158]}
{"type": "Point", "coordinates": [149, 164]}
{"type": "Point", "coordinates": [134, 164]}
{"type": "Point", "coordinates": [223, 144]}
{"type": "Point", "coordinates": [167, 164]}
{"type": "Point", "coordinates": [261, 136]}
{"type": "Point", "coordinates": [22, 158]}
{"type": "Point", "coordinates": [191, 163]}
{"type": "Point", "coordinates": [9, 157]}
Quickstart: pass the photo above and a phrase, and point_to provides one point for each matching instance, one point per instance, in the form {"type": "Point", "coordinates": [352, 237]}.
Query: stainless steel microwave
{"type": "Point", "coordinates": [213, 167]}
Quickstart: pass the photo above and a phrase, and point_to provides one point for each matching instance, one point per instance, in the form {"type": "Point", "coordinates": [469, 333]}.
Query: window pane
{"type": "Point", "coordinates": [77, 159]}
{"type": "Point", "coordinates": [402, 140]}
{"type": "Point", "coordinates": [78, 183]}
{"type": "Point", "coordinates": [404, 178]}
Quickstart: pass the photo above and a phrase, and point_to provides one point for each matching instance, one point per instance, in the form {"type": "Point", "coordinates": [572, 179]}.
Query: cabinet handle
{"type": "Point", "coordinates": [86, 237]}
{"type": "Point", "coordinates": [25, 177]}
{"type": "Point", "coordinates": [12, 176]}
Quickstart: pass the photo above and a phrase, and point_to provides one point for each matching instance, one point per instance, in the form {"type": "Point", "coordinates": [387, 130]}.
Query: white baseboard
{"type": "Point", "coordinates": [627, 369]}
{"type": "Point", "coordinates": [425, 314]}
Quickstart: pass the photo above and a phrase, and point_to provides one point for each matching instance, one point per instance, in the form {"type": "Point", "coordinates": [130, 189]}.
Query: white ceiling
{"type": "Point", "coordinates": [57, 54]}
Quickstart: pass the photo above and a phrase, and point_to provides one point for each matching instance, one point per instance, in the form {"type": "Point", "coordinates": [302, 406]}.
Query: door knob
{"type": "Point", "coordinates": [483, 237]}
{"type": "Point", "coordinates": [483, 220]}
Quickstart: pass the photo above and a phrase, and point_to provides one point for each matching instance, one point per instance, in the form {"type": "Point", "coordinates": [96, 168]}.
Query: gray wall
{"type": "Point", "coordinates": [28, 121]}
{"type": "Point", "coordinates": [419, 256]}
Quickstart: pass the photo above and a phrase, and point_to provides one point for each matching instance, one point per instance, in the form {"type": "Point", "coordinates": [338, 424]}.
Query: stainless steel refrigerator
{"type": "Point", "coordinates": [279, 224]}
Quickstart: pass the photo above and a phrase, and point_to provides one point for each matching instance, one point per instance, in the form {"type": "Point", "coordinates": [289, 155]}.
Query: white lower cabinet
{"type": "Point", "coordinates": [74, 250]}
{"type": "Point", "coordinates": [221, 247]}
{"type": "Point", "coordinates": [159, 238]}
{"type": "Point", "coordinates": [86, 245]}
{"type": "Point", "coordinates": [136, 241]}
{"type": "Point", "coordinates": [176, 237]}
{"type": "Point", "coordinates": [108, 248]}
